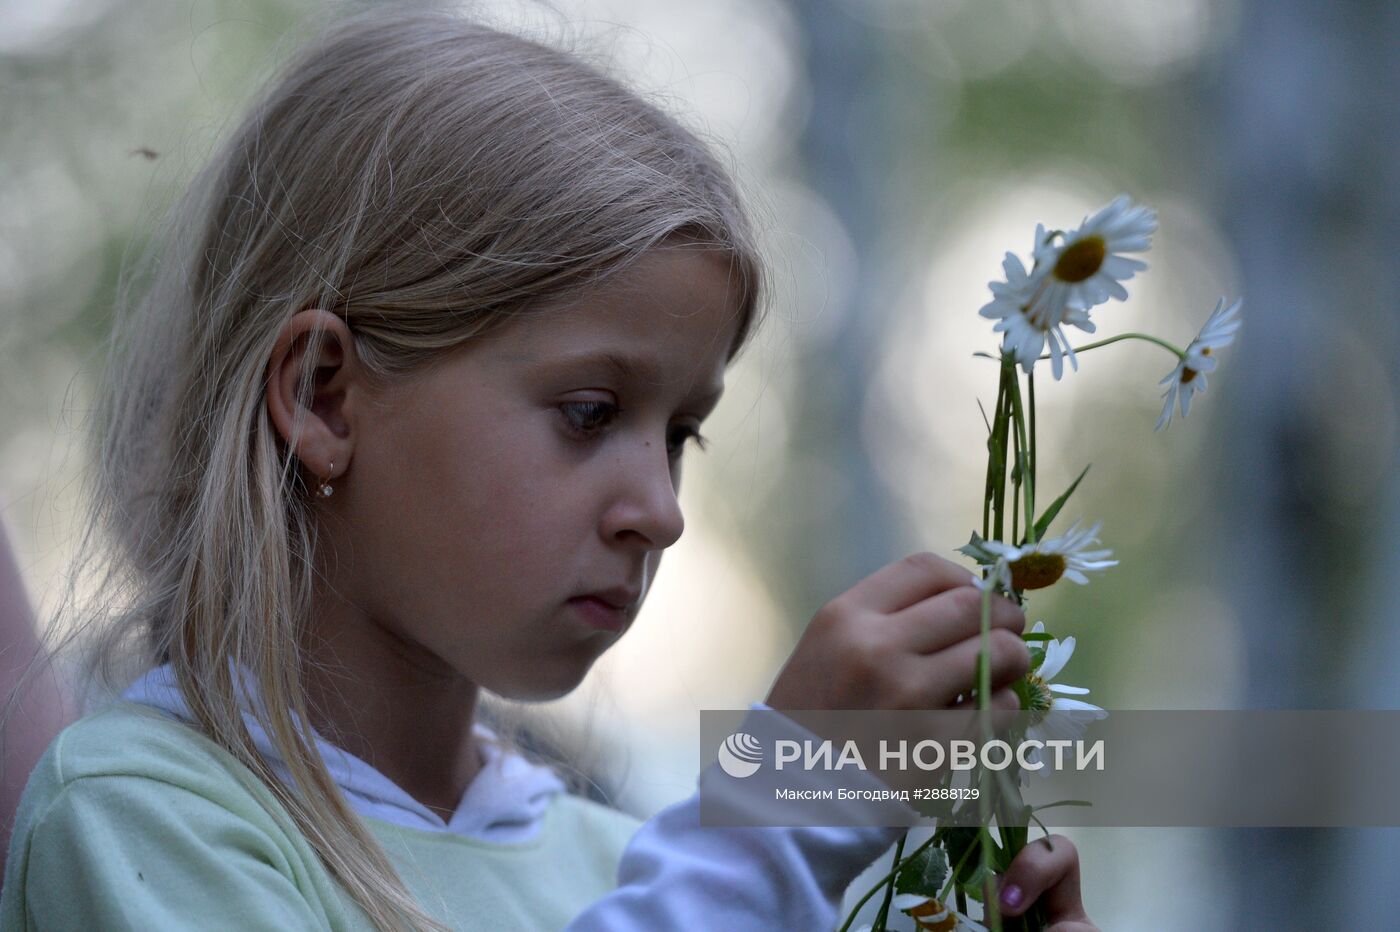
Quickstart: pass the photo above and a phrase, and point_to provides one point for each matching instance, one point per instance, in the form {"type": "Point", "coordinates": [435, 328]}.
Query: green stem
{"type": "Point", "coordinates": [1180, 354]}
{"type": "Point", "coordinates": [953, 879]}
{"type": "Point", "coordinates": [1017, 478]}
{"type": "Point", "coordinates": [1030, 382]}
{"type": "Point", "coordinates": [1002, 425]}
{"type": "Point", "coordinates": [881, 882]}
{"type": "Point", "coordinates": [882, 917]}
{"type": "Point", "coordinates": [1018, 417]}
{"type": "Point", "coordinates": [995, 457]}
{"type": "Point", "coordinates": [984, 715]}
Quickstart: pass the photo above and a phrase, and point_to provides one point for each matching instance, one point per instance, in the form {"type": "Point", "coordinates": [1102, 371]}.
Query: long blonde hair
{"type": "Point", "coordinates": [425, 176]}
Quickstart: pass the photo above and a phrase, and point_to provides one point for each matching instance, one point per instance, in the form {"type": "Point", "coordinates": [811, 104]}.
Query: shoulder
{"type": "Point", "coordinates": [126, 739]}
{"type": "Point", "coordinates": [133, 813]}
{"type": "Point", "coordinates": [144, 749]}
{"type": "Point", "coordinates": [130, 763]}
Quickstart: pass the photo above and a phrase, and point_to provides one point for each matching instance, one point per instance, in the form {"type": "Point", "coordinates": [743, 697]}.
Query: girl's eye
{"type": "Point", "coordinates": [587, 418]}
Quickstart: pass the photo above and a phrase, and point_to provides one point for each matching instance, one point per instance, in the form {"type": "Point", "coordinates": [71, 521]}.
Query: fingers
{"type": "Point", "coordinates": [905, 582]}
{"type": "Point", "coordinates": [1050, 876]}
{"type": "Point", "coordinates": [954, 615]}
{"type": "Point", "coordinates": [953, 671]}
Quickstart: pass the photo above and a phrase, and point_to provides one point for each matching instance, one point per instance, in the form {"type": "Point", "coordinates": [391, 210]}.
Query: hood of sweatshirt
{"type": "Point", "coordinates": [505, 803]}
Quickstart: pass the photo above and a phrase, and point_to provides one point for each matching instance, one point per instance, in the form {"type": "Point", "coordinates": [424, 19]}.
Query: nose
{"type": "Point", "coordinates": [647, 507]}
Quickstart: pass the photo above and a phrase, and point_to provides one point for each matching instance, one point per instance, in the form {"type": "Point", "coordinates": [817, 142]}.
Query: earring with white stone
{"type": "Point", "coordinates": [325, 490]}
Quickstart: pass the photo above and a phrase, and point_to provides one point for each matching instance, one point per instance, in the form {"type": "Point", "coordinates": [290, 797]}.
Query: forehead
{"type": "Point", "coordinates": [671, 317]}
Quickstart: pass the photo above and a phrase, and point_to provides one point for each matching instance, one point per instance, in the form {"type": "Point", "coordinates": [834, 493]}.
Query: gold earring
{"type": "Point", "coordinates": [325, 490]}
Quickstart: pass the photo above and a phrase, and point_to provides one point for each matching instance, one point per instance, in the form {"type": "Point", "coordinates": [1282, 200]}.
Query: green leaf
{"type": "Point", "coordinates": [972, 886]}
{"type": "Point", "coordinates": [1055, 506]}
{"type": "Point", "coordinates": [975, 548]}
{"type": "Point", "coordinates": [984, 416]}
{"type": "Point", "coordinates": [956, 839]}
{"type": "Point", "coordinates": [924, 874]}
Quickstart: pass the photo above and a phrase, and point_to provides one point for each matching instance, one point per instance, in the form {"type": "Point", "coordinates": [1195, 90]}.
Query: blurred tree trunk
{"type": "Point", "coordinates": [1372, 855]}
{"type": "Point", "coordinates": [856, 97]}
{"type": "Point", "coordinates": [1298, 100]}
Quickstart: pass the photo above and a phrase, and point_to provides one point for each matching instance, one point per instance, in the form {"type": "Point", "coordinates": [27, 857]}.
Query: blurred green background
{"type": "Point", "coordinates": [893, 150]}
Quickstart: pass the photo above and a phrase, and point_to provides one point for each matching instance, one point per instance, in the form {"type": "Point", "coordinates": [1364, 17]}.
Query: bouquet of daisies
{"type": "Point", "coordinates": [1071, 274]}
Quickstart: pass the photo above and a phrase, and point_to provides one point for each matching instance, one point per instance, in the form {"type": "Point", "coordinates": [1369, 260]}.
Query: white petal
{"type": "Point", "coordinates": [1076, 706]}
{"type": "Point", "coordinates": [1165, 417]}
{"type": "Point", "coordinates": [1055, 659]}
{"type": "Point", "coordinates": [1069, 350]}
{"type": "Point", "coordinates": [1068, 690]}
{"type": "Point", "coordinates": [909, 901]}
{"type": "Point", "coordinates": [1121, 267]}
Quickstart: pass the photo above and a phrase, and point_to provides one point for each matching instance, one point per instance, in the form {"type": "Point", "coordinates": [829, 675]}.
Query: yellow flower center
{"type": "Point", "coordinates": [1081, 259]}
{"type": "Point", "coordinates": [1187, 374]}
{"type": "Point", "coordinates": [947, 920]}
{"type": "Point", "coordinates": [1037, 570]}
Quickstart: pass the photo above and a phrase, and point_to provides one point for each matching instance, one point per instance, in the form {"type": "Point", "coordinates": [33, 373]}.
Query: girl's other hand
{"type": "Point", "coordinates": [905, 637]}
{"type": "Point", "coordinates": [1051, 877]}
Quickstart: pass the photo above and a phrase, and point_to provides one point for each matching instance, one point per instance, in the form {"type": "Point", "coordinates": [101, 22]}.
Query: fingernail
{"type": "Point", "coordinates": [1011, 895]}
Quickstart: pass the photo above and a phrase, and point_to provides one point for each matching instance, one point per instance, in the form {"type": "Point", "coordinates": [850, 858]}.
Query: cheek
{"type": "Point", "coordinates": [509, 493]}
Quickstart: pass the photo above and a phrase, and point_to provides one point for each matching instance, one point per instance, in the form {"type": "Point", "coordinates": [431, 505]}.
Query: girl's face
{"type": "Point", "coordinates": [533, 465]}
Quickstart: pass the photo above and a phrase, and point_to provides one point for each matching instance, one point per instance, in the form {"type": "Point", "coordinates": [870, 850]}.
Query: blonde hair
{"type": "Point", "coordinates": [426, 177]}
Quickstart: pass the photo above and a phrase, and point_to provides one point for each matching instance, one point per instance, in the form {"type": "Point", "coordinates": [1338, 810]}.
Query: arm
{"type": "Point", "coordinates": [904, 638]}
{"type": "Point", "coordinates": [678, 874]}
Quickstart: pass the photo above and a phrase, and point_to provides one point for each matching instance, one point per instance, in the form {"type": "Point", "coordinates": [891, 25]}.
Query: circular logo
{"type": "Point", "coordinates": [740, 755]}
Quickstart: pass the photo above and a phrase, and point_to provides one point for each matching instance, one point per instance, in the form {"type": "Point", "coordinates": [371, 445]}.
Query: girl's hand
{"type": "Point", "coordinates": [905, 637]}
{"type": "Point", "coordinates": [1051, 877]}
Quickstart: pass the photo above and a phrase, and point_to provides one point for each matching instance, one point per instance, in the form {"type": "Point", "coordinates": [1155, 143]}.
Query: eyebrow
{"type": "Point", "coordinates": [635, 369]}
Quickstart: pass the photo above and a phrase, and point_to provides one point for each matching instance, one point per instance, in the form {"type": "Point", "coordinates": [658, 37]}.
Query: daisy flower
{"type": "Point", "coordinates": [1087, 267]}
{"type": "Point", "coordinates": [1041, 564]}
{"type": "Point", "coordinates": [1066, 280]}
{"type": "Point", "coordinates": [1027, 322]}
{"type": "Point", "coordinates": [931, 915]}
{"type": "Point", "coordinates": [1189, 376]}
{"type": "Point", "coordinates": [1070, 716]}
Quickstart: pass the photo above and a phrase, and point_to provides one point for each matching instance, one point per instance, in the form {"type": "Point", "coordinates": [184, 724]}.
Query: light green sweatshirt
{"type": "Point", "coordinates": [132, 820]}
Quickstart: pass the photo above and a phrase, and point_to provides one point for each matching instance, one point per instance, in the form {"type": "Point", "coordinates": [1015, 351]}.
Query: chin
{"type": "Point", "coordinates": [540, 688]}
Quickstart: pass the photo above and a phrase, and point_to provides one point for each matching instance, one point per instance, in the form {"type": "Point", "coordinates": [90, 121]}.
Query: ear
{"type": "Point", "coordinates": [327, 430]}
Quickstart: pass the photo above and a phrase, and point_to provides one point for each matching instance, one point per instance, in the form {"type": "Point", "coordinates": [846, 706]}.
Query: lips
{"type": "Point", "coordinates": [600, 614]}
{"type": "Point", "coordinates": [621, 598]}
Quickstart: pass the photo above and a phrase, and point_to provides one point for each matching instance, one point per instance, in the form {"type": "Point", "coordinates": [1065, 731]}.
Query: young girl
{"type": "Point", "coordinates": [399, 418]}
